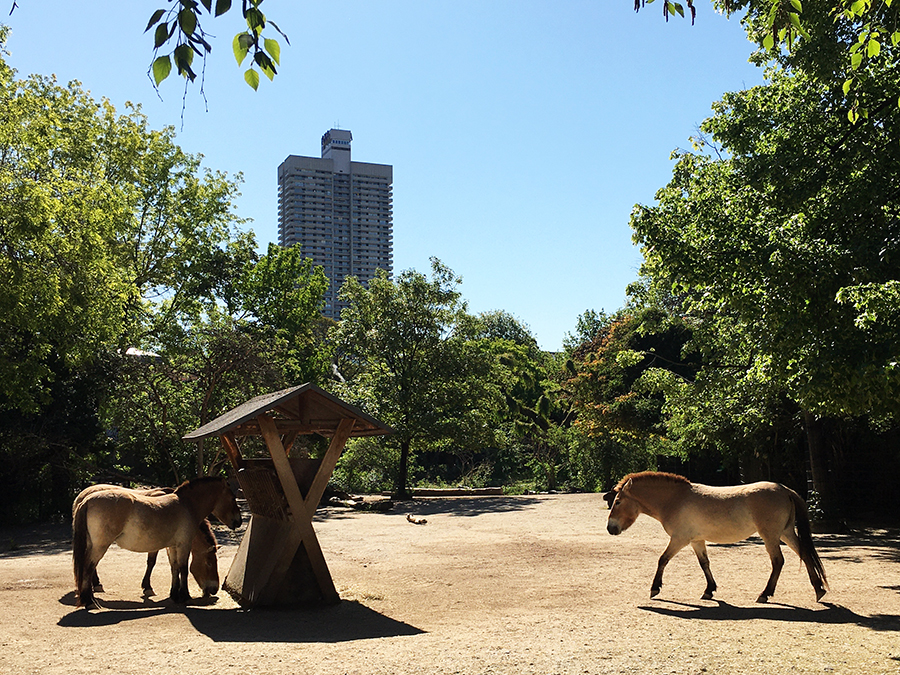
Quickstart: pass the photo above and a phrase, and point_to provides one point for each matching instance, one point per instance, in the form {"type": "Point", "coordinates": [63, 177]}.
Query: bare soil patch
{"type": "Point", "coordinates": [529, 584]}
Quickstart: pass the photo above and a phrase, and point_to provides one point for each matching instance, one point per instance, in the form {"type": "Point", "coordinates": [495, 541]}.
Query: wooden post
{"type": "Point", "coordinates": [301, 512]}
{"type": "Point", "coordinates": [329, 461]}
{"type": "Point", "coordinates": [231, 447]}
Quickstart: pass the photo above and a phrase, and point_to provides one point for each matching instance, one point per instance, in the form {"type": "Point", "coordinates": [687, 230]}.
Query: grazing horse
{"type": "Point", "coordinates": [147, 523]}
{"type": "Point", "coordinates": [693, 514]}
{"type": "Point", "coordinates": [204, 564]}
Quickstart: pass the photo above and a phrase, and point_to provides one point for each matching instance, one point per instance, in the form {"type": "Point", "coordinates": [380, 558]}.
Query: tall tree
{"type": "Point", "coordinates": [259, 330]}
{"type": "Point", "coordinates": [403, 347]}
{"type": "Point", "coordinates": [112, 237]}
{"type": "Point", "coordinates": [768, 241]}
{"type": "Point", "coordinates": [110, 231]}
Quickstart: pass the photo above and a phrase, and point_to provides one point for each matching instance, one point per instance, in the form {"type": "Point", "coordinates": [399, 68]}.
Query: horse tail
{"type": "Point", "coordinates": [807, 550]}
{"type": "Point", "coordinates": [80, 546]}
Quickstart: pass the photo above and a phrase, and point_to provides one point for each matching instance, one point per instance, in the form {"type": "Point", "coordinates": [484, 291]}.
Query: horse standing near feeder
{"type": "Point", "coordinates": [692, 513]}
{"type": "Point", "coordinates": [145, 524]}
{"type": "Point", "coordinates": [204, 565]}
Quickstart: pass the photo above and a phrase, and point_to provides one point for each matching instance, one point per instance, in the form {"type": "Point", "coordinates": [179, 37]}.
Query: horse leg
{"type": "Point", "coordinates": [86, 592]}
{"type": "Point", "coordinates": [773, 547]}
{"type": "Point", "coordinates": [145, 582]}
{"type": "Point", "coordinates": [95, 582]}
{"type": "Point", "coordinates": [86, 588]}
{"type": "Point", "coordinates": [178, 592]}
{"type": "Point", "coordinates": [673, 548]}
{"type": "Point", "coordinates": [700, 549]}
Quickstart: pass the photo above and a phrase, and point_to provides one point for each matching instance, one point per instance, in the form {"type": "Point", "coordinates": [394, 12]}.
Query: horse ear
{"type": "Point", "coordinates": [610, 497]}
{"type": "Point", "coordinates": [627, 485]}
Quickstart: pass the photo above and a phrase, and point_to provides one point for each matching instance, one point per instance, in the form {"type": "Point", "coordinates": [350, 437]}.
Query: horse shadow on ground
{"type": "Point", "coordinates": [345, 622]}
{"type": "Point", "coordinates": [466, 507]}
{"type": "Point", "coordinates": [829, 614]}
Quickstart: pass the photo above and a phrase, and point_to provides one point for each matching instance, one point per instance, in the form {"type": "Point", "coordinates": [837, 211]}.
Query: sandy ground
{"type": "Point", "coordinates": [529, 584]}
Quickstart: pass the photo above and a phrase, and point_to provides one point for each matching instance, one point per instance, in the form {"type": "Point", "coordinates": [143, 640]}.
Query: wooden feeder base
{"type": "Point", "coordinates": [272, 568]}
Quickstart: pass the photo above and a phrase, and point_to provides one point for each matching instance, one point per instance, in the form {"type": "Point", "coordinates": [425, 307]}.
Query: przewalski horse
{"type": "Point", "coordinates": [204, 565]}
{"type": "Point", "coordinates": [693, 514]}
{"type": "Point", "coordinates": [145, 524]}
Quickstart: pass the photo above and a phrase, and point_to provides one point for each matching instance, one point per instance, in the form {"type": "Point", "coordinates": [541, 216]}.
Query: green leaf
{"type": "Point", "coordinates": [240, 47]}
{"type": "Point", "coordinates": [162, 66]}
{"type": "Point", "coordinates": [856, 60]}
{"type": "Point", "coordinates": [274, 49]}
{"type": "Point", "coordinates": [873, 49]}
{"type": "Point", "coordinates": [183, 56]}
{"type": "Point", "coordinates": [852, 115]}
{"type": "Point", "coordinates": [222, 6]}
{"type": "Point", "coordinates": [161, 35]}
{"type": "Point", "coordinates": [252, 78]}
{"type": "Point", "coordinates": [847, 84]}
{"type": "Point", "coordinates": [769, 42]}
{"type": "Point", "coordinates": [207, 4]}
{"type": "Point", "coordinates": [895, 38]}
{"type": "Point", "coordinates": [154, 19]}
{"type": "Point", "coordinates": [797, 5]}
{"type": "Point", "coordinates": [187, 20]}
{"type": "Point", "coordinates": [265, 64]}
{"type": "Point", "coordinates": [256, 20]}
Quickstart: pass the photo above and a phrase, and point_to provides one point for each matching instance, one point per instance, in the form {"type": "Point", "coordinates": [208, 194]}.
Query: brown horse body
{"type": "Point", "coordinates": [203, 561]}
{"type": "Point", "coordinates": [692, 513]}
{"type": "Point", "coordinates": [147, 524]}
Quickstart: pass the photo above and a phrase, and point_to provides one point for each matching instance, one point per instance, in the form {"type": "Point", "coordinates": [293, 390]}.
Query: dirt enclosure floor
{"type": "Point", "coordinates": [530, 584]}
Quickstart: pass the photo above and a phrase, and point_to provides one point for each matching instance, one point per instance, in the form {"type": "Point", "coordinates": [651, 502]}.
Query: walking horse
{"type": "Point", "coordinates": [692, 513]}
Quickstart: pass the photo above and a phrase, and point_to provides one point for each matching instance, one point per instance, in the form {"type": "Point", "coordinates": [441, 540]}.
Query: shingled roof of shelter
{"type": "Point", "coordinates": [305, 408]}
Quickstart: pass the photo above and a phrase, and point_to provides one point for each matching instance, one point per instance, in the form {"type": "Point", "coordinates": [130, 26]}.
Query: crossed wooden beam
{"type": "Point", "coordinates": [299, 529]}
{"type": "Point", "coordinates": [269, 567]}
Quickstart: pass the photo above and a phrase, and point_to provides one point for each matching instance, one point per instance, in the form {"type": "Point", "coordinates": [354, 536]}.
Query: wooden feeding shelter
{"type": "Point", "coordinates": [279, 560]}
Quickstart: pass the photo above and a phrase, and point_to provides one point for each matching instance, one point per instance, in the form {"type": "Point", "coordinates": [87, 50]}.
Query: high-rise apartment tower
{"type": "Point", "coordinates": [339, 211]}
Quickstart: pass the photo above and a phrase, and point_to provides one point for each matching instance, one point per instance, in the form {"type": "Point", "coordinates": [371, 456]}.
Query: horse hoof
{"type": "Point", "coordinates": [763, 598]}
{"type": "Point", "coordinates": [98, 588]}
{"type": "Point", "coordinates": [654, 592]}
{"type": "Point", "coordinates": [706, 596]}
{"type": "Point", "coordinates": [820, 593]}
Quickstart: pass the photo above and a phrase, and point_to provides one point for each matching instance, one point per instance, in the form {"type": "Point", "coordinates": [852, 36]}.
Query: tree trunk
{"type": "Point", "coordinates": [401, 490]}
{"type": "Point", "coordinates": [820, 464]}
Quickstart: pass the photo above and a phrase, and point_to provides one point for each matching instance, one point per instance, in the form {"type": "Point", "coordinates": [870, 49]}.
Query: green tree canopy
{"type": "Point", "coordinates": [110, 232]}
{"type": "Point", "coordinates": [120, 255]}
{"type": "Point", "coordinates": [781, 242]}
{"type": "Point", "coordinates": [403, 346]}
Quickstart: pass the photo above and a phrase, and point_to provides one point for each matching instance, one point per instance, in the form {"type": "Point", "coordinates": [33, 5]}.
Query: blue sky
{"type": "Point", "coordinates": [521, 133]}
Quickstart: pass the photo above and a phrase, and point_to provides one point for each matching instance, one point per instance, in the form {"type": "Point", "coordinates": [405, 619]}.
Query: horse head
{"type": "Point", "coordinates": [623, 510]}
{"type": "Point", "coordinates": [204, 562]}
{"type": "Point", "coordinates": [226, 508]}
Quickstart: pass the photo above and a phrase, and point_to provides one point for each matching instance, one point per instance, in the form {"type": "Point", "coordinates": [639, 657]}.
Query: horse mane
{"type": "Point", "coordinates": [193, 482]}
{"type": "Point", "coordinates": [652, 475]}
{"type": "Point", "coordinates": [208, 536]}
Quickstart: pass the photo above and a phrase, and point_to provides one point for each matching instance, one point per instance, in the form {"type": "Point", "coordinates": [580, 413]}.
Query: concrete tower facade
{"type": "Point", "coordinates": [339, 211]}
